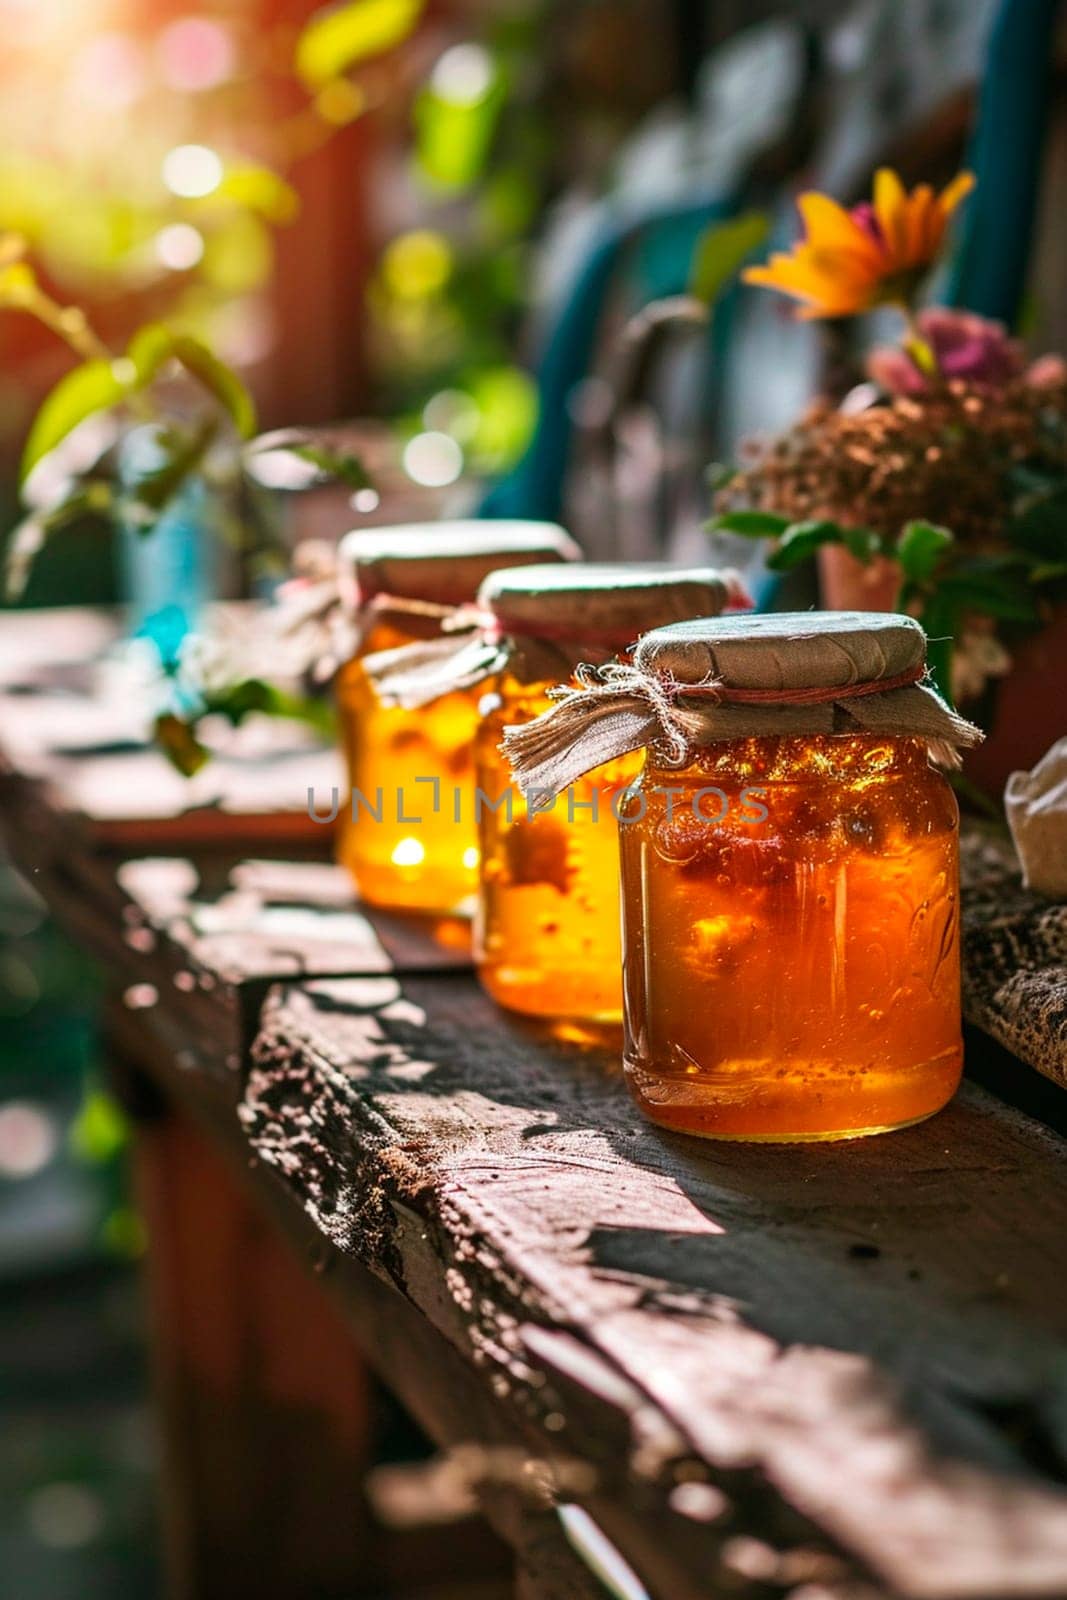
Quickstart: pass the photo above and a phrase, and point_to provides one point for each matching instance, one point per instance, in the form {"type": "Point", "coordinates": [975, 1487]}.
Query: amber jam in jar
{"type": "Point", "coordinates": [789, 873]}
{"type": "Point", "coordinates": [408, 831]}
{"type": "Point", "coordinates": [791, 927]}
{"type": "Point", "coordinates": [547, 938]}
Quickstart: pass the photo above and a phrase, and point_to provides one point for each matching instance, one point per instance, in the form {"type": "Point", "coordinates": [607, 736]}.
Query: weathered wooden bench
{"type": "Point", "coordinates": [660, 1366]}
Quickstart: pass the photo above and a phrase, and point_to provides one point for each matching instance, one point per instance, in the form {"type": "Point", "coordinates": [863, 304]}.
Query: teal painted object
{"type": "Point", "coordinates": [169, 574]}
{"type": "Point", "coordinates": [661, 243]}
{"type": "Point", "coordinates": [988, 273]}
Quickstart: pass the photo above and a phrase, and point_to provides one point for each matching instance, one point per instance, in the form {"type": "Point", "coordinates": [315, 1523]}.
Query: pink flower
{"type": "Point", "coordinates": [966, 346]}
{"type": "Point", "coordinates": [1047, 372]}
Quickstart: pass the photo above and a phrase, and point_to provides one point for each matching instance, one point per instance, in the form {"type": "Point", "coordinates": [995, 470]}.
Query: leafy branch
{"type": "Point", "coordinates": [126, 385]}
{"type": "Point", "coordinates": [176, 731]}
{"type": "Point", "coordinates": [941, 580]}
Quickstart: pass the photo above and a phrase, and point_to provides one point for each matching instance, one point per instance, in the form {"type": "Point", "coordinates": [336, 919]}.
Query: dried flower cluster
{"type": "Point", "coordinates": [944, 456]}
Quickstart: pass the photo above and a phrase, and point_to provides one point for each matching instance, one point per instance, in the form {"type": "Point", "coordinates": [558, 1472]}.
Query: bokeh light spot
{"type": "Point", "coordinates": [192, 171]}
{"type": "Point", "coordinates": [195, 54]}
{"type": "Point", "coordinates": [433, 459]}
{"type": "Point", "coordinates": [179, 246]}
{"type": "Point", "coordinates": [408, 853]}
{"type": "Point", "coordinates": [28, 1139]}
{"type": "Point", "coordinates": [463, 75]}
{"type": "Point", "coordinates": [65, 1516]}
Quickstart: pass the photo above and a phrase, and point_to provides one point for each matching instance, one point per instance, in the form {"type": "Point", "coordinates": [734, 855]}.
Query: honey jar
{"type": "Point", "coordinates": [546, 937]}
{"type": "Point", "coordinates": [408, 832]}
{"type": "Point", "coordinates": [789, 870]}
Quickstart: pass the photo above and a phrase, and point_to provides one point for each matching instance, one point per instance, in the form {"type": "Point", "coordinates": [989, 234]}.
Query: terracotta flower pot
{"type": "Point", "coordinates": [850, 585]}
{"type": "Point", "coordinates": [1025, 712]}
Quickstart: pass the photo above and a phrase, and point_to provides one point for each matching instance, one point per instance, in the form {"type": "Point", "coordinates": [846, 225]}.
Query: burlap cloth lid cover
{"type": "Point", "coordinates": [541, 621]}
{"type": "Point", "coordinates": [440, 563]}
{"type": "Point", "coordinates": [695, 682]}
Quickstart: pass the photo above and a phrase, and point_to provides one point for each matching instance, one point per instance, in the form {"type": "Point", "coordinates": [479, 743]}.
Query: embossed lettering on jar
{"type": "Point", "coordinates": [790, 876]}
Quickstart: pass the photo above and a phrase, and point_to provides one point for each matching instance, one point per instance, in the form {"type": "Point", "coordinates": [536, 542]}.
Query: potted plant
{"type": "Point", "coordinates": [938, 486]}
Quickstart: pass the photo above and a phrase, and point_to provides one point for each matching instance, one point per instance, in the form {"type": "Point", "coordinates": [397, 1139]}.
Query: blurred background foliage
{"type": "Point", "coordinates": [389, 160]}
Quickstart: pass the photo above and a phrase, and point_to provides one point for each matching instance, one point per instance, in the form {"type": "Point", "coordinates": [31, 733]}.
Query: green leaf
{"type": "Point", "coordinates": [178, 742]}
{"type": "Point", "coordinates": [336, 39]}
{"type": "Point", "coordinates": [1040, 526]}
{"type": "Point", "coordinates": [1048, 571]}
{"type": "Point", "coordinates": [87, 498]}
{"type": "Point", "coordinates": [938, 618]}
{"type": "Point", "coordinates": [149, 350]}
{"type": "Point", "coordinates": [219, 380]}
{"type": "Point", "coordinates": [454, 138]}
{"type": "Point", "coordinates": [800, 541]}
{"type": "Point", "coordinates": [240, 700]}
{"type": "Point", "coordinates": [180, 454]}
{"type": "Point", "coordinates": [919, 549]}
{"type": "Point", "coordinates": [722, 251]}
{"type": "Point", "coordinates": [342, 465]}
{"type": "Point", "coordinates": [863, 543]}
{"type": "Point", "coordinates": [1029, 479]}
{"type": "Point", "coordinates": [100, 1130]}
{"type": "Point", "coordinates": [93, 387]}
{"type": "Point", "coordinates": [750, 524]}
{"type": "Point", "coordinates": [1006, 599]}
{"type": "Point", "coordinates": [339, 464]}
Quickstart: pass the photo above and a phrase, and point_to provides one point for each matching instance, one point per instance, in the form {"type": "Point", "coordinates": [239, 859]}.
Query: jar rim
{"type": "Point", "coordinates": [443, 562]}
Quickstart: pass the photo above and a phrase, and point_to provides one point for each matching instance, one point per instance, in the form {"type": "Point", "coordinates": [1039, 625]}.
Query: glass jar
{"type": "Point", "coordinates": [789, 858]}
{"type": "Point", "coordinates": [403, 837]}
{"type": "Point", "coordinates": [547, 938]}
{"type": "Point", "coordinates": [791, 936]}
{"type": "Point", "coordinates": [408, 832]}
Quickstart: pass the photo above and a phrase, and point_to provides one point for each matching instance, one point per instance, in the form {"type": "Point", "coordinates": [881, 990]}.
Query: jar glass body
{"type": "Point", "coordinates": [791, 939]}
{"type": "Point", "coordinates": [547, 938]}
{"type": "Point", "coordinates": [408, 833]}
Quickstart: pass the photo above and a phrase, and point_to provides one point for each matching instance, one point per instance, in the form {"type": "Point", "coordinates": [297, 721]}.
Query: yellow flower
{"type": "Point", "coordinates": [875, 254]}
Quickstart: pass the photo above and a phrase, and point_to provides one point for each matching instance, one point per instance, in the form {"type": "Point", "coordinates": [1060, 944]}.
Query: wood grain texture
{"type": "Point", "coordinates": [514, 1482]}
{"type": "Point", "coordinates": [859, 1347]}
{"type": "Point", "coordinates": [1014, 955]}
{"type": "Point", "coordinates": [210, 938]}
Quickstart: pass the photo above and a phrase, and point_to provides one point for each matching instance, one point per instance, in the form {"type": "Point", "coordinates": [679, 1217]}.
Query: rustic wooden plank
{"type": "Point", "coordinates": [207, 939]}
{"type": "Point", "coordinates": [203, 940]}
{"type": "Point", "coordinates": [77, 731]}
{"type": "Point", "coordinates": [859, 1347]}
{"type": "Point", "coordinates": [513, 1478]}
{"type": "Point", "coordinates": [1014, 955]}
{"type": "Point", "coordinates": [203, 934]}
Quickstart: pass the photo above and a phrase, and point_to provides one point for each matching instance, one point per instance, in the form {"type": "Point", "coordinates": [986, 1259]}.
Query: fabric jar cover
{"type": "Point", "coordinates": [441, 563]}
{"type": "Point", "coordinates": [540, 622]}
{"type": "Point", "coordinates": [693, 683]}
